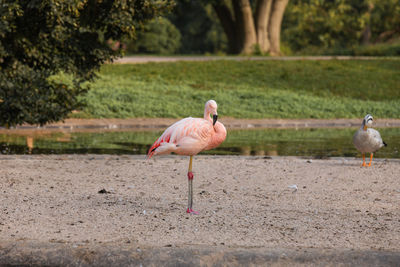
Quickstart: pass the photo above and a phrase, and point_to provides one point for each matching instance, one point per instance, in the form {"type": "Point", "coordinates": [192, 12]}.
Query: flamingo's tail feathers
{"type": "Point", "coordinates": [153, 149]}
{"type": "Point", "coordinates": [163, 148]}
{"type": "Point", "coordinates": [150, 154]}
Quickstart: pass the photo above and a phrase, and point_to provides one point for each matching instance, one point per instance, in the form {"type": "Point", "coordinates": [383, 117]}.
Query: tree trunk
{"type": "Point", "coordinates": [245, 25]}
{"type": "Point", "coordinates": [274, 27]}
{"type": "Point", "coordinates": [244, 31]}
{"type": "Point", "coordinates": [228, 24]}
{"type": "Point", "coordinates": [263, 11]}
{"type": "Point", "coordinates": [366, 34]}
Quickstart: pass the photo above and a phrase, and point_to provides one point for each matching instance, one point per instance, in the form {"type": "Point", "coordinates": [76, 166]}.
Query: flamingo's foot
{"type": "Point", "coordinates": [191, 211]}
{"type": "Point", "coordinates": [364, 164]}
{"type": "Point", "coordinates": [369, 165]}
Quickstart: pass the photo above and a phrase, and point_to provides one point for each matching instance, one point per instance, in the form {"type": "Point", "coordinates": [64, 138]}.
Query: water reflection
{"type": "Point", "coordinates": [29, 144]}
{"type": "Point", "coordinates": [318, 143]}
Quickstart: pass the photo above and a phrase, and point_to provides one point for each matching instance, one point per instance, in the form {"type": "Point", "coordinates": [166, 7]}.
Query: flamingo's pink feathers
{"type": "Point", "coordinates": [188, 136]}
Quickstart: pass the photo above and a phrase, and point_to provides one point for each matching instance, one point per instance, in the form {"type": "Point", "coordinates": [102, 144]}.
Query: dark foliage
{"type": "Point", "coordinates": [199, 26]}
{"type": "Point", "coordinates": [159, 36]}
{"type": "Point", "coordinates": [42, 38]}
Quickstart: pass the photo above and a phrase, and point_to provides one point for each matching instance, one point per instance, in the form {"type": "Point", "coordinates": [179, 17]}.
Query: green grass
{"type": "Point", "coordinates": [247, 89]}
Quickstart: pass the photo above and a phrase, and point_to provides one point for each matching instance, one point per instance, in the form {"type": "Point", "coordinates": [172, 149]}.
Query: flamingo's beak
{"type": "Point", "coordinates": [215, 118]}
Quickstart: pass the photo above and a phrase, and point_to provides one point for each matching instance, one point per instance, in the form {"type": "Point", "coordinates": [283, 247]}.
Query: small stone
{"type": "Point", "coordinates": [103, 191]}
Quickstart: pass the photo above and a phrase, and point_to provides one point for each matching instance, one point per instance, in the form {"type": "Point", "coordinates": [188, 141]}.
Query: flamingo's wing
{"type": "Point", "coordinates": [195, 128]}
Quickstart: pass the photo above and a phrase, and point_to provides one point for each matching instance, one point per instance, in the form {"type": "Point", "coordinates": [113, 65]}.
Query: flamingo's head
{"type": "Point", "coordinates": [367, 122]}
{"type": "Point", "coordinates": [211, 108]}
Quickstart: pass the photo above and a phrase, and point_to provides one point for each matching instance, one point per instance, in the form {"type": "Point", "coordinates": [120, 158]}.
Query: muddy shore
{"type": "Point", "coordinates": [248, 208]}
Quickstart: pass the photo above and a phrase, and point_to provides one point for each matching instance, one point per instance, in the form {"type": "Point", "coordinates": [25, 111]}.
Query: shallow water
{"type": "Point", "coordinates": [317, 143]}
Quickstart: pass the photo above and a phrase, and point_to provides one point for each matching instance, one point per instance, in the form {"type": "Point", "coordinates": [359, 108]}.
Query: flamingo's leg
{"type": "Point", "coordinates": [363, 164]}
{"type": "Point", "coordinates": [370, 159]}
{"type": "Point", "coordinates": [190, 189]}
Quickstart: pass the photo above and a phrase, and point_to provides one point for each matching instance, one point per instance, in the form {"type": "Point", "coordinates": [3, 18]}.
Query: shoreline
{"type": "Point", "coordinates": [56, 254]}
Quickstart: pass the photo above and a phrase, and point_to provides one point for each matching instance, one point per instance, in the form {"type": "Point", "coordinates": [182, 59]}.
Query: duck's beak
{"type": "Point", "coordinates": [215, 118]}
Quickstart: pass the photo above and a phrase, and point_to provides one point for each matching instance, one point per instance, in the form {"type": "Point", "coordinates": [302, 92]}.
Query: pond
{"type": "Point", "coordinates": [318, 143]}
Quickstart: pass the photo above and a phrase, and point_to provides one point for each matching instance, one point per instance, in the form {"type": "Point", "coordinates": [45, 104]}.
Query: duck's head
{"type": "Point", "coordinates": [367, 122]}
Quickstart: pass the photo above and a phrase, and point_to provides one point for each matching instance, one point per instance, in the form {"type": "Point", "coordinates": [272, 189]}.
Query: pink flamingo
{"type": "Point", "coordinates": [190, 136]}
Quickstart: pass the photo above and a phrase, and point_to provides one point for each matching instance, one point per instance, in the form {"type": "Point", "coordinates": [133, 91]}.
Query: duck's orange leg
{"type": "Point", "coordinates": [370, 159]}
{"type": "Point", "coordinates": [363, 164]}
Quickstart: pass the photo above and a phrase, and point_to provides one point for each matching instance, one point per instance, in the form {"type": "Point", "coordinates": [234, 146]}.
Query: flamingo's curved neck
{"type": "Point", "coordinates": [218, 136]}
{"type": "Point", "coordinates": [207, 115]}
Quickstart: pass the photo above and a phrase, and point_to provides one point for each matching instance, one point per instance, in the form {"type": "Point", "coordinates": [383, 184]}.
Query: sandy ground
{"type": "Point", "coordinates": [244, 202]}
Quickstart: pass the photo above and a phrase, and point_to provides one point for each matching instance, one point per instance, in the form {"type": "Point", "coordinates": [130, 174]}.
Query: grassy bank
{"type": "Point", "coordinates": [247, 89]}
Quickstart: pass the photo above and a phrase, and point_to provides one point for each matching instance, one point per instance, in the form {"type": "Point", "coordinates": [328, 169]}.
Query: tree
{"type": "Point", "coordinates": [384, 20]}
{"type": "Point", "coordinates": [340, 24]}
{"type": "Point", "coordinates": [247, 30]}
{"type": "Point", "coordinates": [200, 29]}
{"type": "Point", "coordinates": [325, 24]}
{"type": "Point", "coordinates": [159, 36]}
{"type": "Point", "coordinates": [39, 39]}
